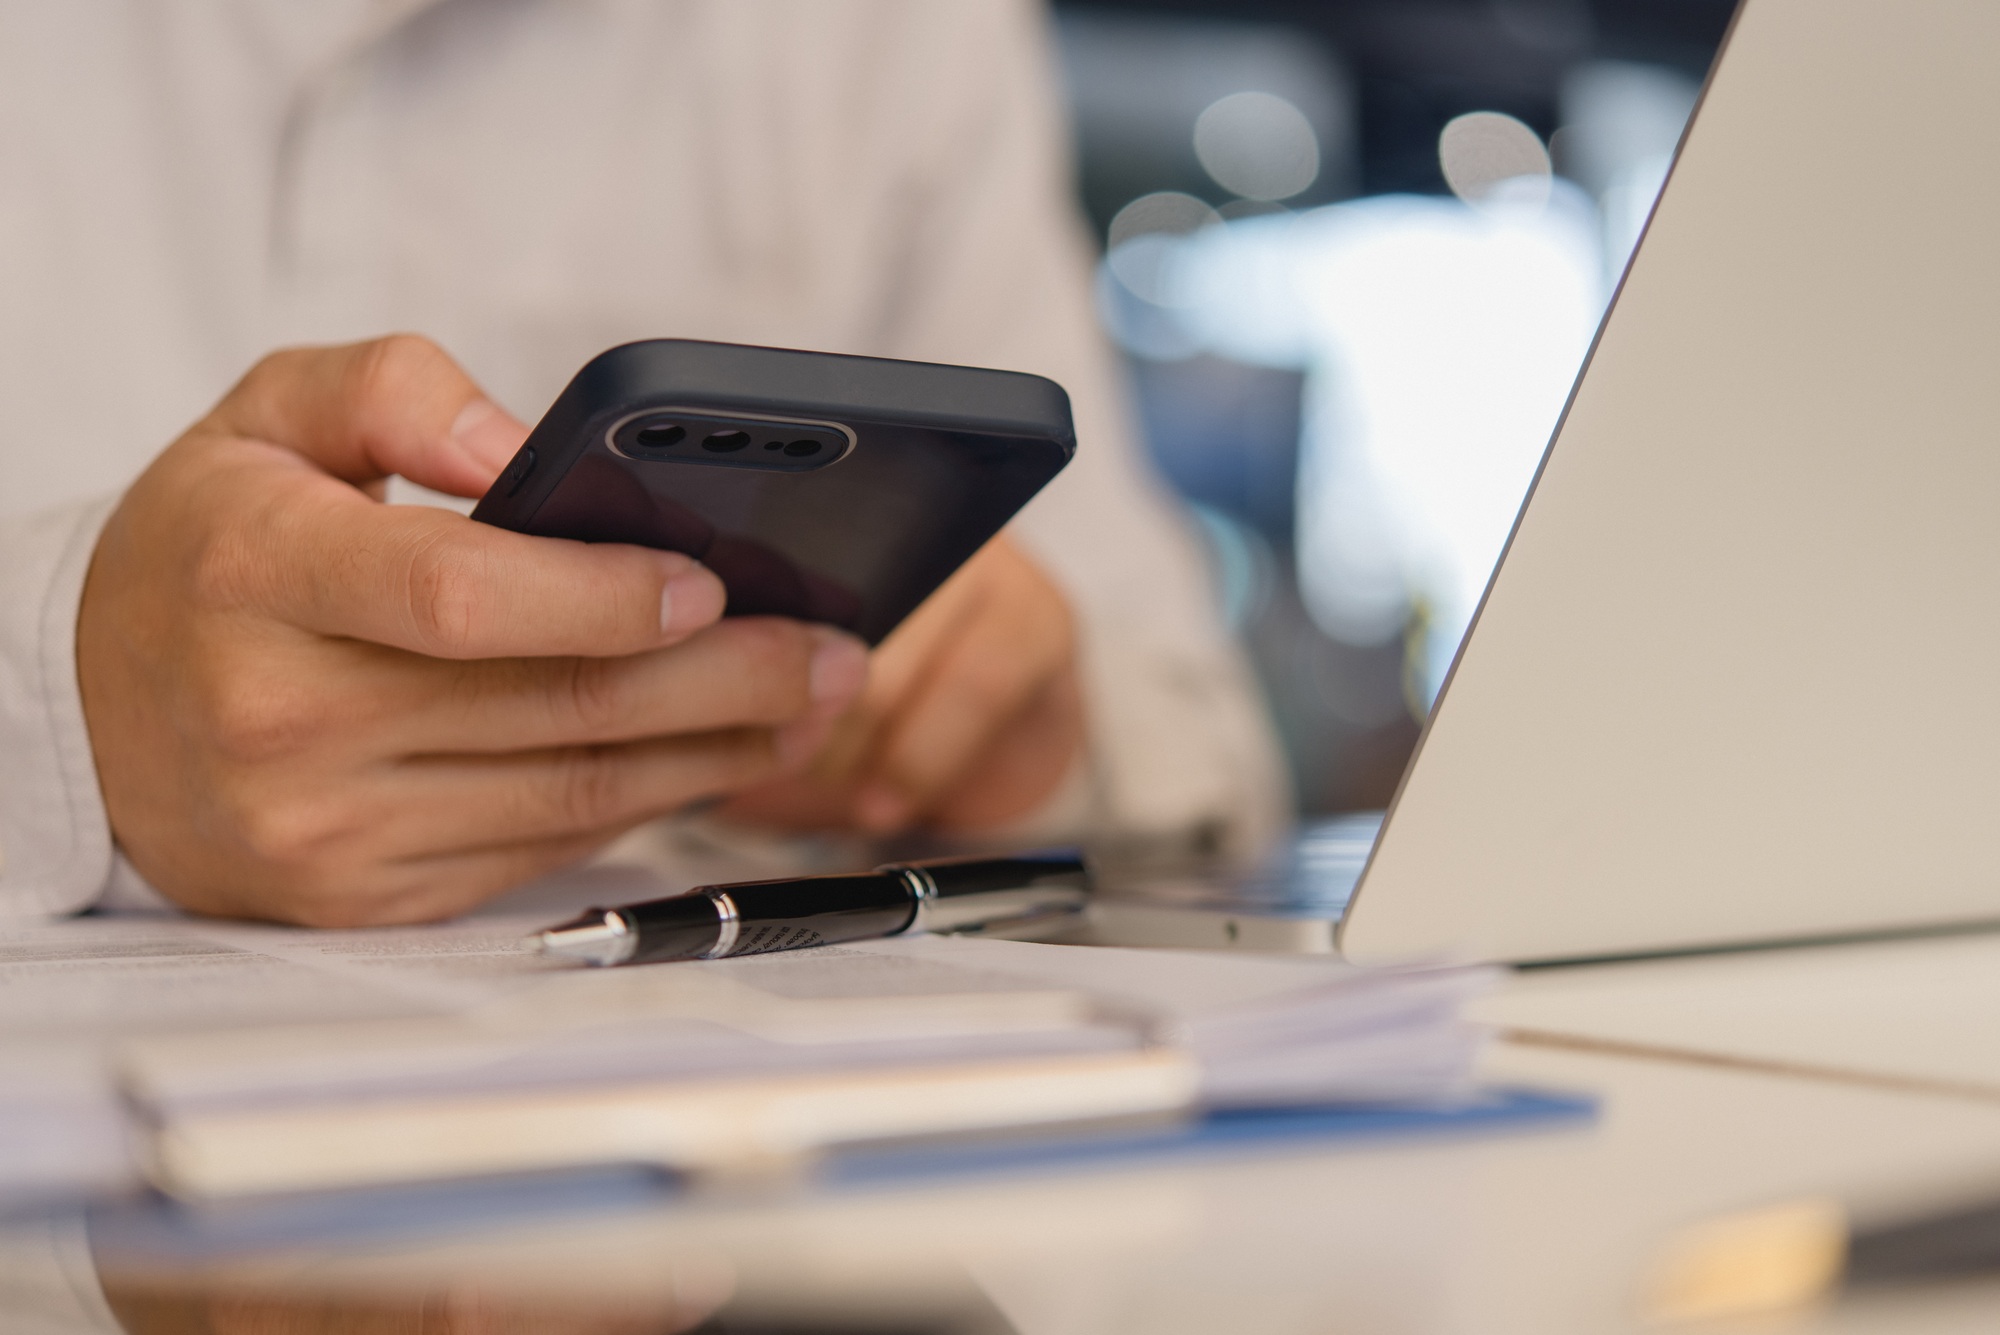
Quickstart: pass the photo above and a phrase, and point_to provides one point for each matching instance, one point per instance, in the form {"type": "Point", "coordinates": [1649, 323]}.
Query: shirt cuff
{"type": "Point", "coordinates": [48, 1281]}
{"type": "Point", "coordinates": [126, 891]}
{"type": "Point", "coordinates": [55, 840]}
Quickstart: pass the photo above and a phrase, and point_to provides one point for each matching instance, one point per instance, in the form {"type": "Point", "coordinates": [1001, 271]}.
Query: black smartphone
{"type": "Point", "coordinates": [824, 487]}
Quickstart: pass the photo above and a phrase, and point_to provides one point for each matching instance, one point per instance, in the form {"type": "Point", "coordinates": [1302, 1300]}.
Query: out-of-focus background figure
{"type": "Point", "coordinates": [1355, 253]}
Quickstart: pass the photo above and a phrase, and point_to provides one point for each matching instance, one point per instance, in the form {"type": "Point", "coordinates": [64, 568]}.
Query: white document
{"type": "Point", "coordinates": [182, 1019]}
{"type": "Point", "coordinates": [1264, 1028]}
{"type": "Point", "coordinates": [70, 992]}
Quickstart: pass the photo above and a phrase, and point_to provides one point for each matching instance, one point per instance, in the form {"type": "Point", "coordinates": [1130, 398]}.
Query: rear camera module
{"type": "Point", "coordinates": [666, 435]}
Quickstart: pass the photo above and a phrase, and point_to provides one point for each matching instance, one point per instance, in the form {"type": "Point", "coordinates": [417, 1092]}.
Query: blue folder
{"type": "Point", "coordinates": [154, 1226]}
{"type": "Point", "coordinates": [1218, 1133]}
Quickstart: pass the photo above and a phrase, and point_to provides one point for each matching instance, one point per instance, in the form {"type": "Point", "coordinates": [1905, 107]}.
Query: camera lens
{"type": "Point", "coordinates": [723, 442]}
{"type": "Point", "coordinates": [659, 436]}
{"type": "Point", "coordinates": [799, 449]}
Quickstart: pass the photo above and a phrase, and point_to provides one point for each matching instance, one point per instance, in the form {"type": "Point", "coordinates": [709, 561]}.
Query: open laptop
{"type": "Point", "coordinates": [1737, 677]}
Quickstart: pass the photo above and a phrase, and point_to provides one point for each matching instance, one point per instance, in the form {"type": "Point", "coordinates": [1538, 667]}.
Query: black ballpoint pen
{"type": "Point", "coordinates": [757, 917]}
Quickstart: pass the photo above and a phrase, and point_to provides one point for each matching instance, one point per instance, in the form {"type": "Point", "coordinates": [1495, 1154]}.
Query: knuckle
{"type": "Point", "coordinates": [218, 572]}
{"type": "Point", "coordinates": [384, 369]}
{"type": "Point", "coordinates": [442, 584]}
{"type": "Point", "coordinates": [268, 365]}
{"type": "Point", "coordinates": [289, 835]}
{"type": "Point", "coordinates": [587, 790]}
{"type": "Point", "coordinates": [273, 368]}
{"type": "Point", "coordinates": [351, 889]}
{"type": "Point", "coordinates": [589, 696]}
{"type": "Point", "coordinates": [252, 723]}
{"type": "Point", "coordinates": [243, 556]}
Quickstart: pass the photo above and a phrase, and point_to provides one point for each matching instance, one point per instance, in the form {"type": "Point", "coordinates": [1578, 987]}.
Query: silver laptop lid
{"type": "Point", "coordinates": [1738, 676]}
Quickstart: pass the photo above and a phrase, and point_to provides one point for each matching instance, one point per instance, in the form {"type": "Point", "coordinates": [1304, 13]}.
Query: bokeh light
{"type": "Point", "coordinates": [1489, 153]}
{"type": "Point", "coordinates": [1257, 145]}
{"type": "Point", "coordinates": [1440, 341]}
{"type": "Point", "coordinates": [1354, 259]}
{"type": "Point", "coordinates": [1143, 240]}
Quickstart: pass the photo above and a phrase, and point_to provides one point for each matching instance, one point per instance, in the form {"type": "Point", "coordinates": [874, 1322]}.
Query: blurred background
{"type": "Point", "coordinates": [1354, 252]}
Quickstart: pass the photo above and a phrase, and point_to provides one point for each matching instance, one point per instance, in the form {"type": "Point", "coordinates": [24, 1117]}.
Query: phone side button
{"type": "Point", "coordinates": [517, 471]}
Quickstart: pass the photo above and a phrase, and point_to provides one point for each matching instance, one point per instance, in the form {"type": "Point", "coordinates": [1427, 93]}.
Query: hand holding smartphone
{"type": "Point", "coordinates": [817, 486]}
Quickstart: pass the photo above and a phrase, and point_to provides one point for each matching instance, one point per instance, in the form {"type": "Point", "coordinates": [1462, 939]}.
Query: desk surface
{"type": "Point", "coordinates": [1539, 1232]}
{"type": "Point", "coordinates": [1897, 1012]}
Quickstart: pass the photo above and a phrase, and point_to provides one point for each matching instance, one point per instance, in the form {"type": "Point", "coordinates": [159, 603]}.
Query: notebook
{"type": "Point", "coordinates": [765, 1064]}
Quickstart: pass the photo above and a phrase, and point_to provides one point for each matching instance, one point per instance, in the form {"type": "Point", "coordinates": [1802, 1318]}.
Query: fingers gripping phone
{"type": "Point", "coordinates": [823, 487]}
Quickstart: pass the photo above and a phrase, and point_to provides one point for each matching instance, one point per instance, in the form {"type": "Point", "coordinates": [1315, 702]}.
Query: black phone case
{"type": "Point", "coordinates": [860, 483]}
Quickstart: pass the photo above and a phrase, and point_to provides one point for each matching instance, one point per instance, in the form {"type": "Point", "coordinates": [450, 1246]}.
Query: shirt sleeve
{"type": "Point", "coordinates": [999, 274]}
{"type": "Point", "coordinates": [55, 843]}
{"type": "Point", "coordinates": [48, 1281]}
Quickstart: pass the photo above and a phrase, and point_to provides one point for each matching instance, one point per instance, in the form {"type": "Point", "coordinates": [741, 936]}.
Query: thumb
{"type": "Point", "coordinates": [397, 405]}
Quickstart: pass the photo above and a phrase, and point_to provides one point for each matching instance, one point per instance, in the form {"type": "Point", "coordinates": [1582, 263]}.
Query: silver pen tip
{"type": "Point", "coordinates": [595, 938]}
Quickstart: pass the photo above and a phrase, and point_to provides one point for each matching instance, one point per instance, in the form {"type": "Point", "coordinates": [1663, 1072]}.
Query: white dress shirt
{"type": "Point", "coordinates": [185, 186]}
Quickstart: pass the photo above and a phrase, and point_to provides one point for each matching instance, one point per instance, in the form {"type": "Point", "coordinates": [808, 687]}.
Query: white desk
{"type": "Point", "coordinates": [1914, 1014]}
{"type": "Point", "coordinates": [1539, 1233]}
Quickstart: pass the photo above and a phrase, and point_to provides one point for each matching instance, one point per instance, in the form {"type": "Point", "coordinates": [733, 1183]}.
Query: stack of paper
{"type": "Point", "coordinates": [259, 1060]}
{"type": "Point", "coordinates": [71, 992]}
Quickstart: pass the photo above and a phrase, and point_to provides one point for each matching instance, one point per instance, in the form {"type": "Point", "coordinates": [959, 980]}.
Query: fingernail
{"type": "Point", "coordinates": [839, 666]}
{"type": "Point", "coordinates": [488, 434]}
{"type": "Point", "coordinates": [691, 597]}
{"type": "Point", "coordinates": [881, 809]}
